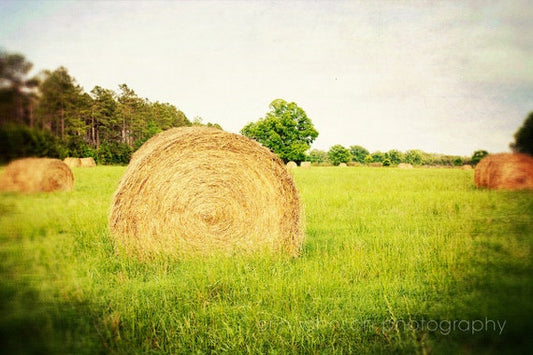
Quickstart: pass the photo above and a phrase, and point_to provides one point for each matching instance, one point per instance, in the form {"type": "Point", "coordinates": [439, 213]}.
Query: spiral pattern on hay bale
{"type": "Point", "coordinates": [31, 175]}
{"type": "Point", "coordinates": [201, 190]}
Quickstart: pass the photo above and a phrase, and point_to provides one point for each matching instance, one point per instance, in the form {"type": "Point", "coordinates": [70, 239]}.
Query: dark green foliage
{"type": "Point", "coordinates": [51, 116]}
{"type": "Point", "coordinates": [413, 157]}
{"type": "Point", "coordinates": [114, 153]}
{"type": "Point", "coordinates": [18, 141]}
{"type": "Point", "coordinates": [286, 130]}
{"type": "Point", "coordinates": [358, 153]}
{"type": "Point", "coordinates": [386, 162]}
{"type": "Point", "coordinates": [339, 154]}
{"type": "Point", "coordinates": [458, 162]}
{"type": "Point", "coordinates": [317, 156]}
{"type": "Point", "coordinates": [524, 137]}
{"type": "Point", "coordinates": [478, 155]}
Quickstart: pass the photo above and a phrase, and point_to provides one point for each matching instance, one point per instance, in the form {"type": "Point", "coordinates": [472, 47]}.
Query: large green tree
{"type": "Point", "coordinates": [338, 154]}
{"type": "Point", "coordinates": [59, 103]}
{"type": "Point", "coordinates": [524, 137]}
{"type": "Point", "coordinates": [17, 94]}
{"type": "Point", "coordinates": [358, 153]}
{"type": "Point", "coordinates": [286, 130]}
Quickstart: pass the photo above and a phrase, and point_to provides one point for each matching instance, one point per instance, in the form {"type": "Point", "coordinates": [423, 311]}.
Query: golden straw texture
{"type": "Point", "coordinates": [72, 162]}
{"type": "Point", "coordinates": [201, 190]}
{"type": "Point", "coordinates": [37, 175]}
{"type": "Point", "coordinates": [87, 162]}
{"type": "Point", "coordinates": [509, 171]}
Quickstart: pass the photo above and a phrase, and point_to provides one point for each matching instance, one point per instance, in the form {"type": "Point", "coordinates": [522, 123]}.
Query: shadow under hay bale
{"type": "Point", "coordinates": [509, 171]}
{"type": "Point", "coordinates": [196, 190]}
{"type": "Point", "coordinates": [37, 175]}
{"type": "Point", "coordinates": [87, 162]}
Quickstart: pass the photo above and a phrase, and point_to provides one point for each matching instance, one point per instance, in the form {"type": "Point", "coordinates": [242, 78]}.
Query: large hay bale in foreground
{"type": "Point", "coordinates": [405, 166]}
{"type": "Point", "coordinates": [510, 171]}
{"type": "Point", "coordinates": [37, 175]}
{"type": "Point", "coordinates": [200, 190]}
{"type": "Point", "coordinates": [72, 162]}
{"type": "Point", "coordinates": [88, 162]}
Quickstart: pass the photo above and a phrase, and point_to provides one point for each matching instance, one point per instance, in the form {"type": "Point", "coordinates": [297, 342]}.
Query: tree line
{"type": "Point", "coordinates": [357, 154]}
{"type": "Point", "coordinates": [51, 115]}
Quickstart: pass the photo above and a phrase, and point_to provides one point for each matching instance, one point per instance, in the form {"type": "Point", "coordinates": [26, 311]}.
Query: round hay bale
{"type": "Point", "coordinates": [37, 175]}
{"type": "Point", "coordinates": [376, 164]}
{"type": "Point", "coordinates": [405, 166]}
{"type": "Point", "coordinates": [88, 162]}
{"type": "Point", "coordinates": [292, 165]}
{"type": "Point", "coordinates": [466, 167]}
{"type": "Point", "coordinates": [305, 164]}
{"type": "Point", "coordinates": [509, 171]}
{"type": "Point", "coordinates": [197, 190]}
{"type": "Point", "coordinates": [342, 165]}
{"type": "Point", "coordinates": [72, 162]}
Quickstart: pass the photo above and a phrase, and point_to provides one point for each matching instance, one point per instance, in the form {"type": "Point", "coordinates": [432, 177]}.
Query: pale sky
{"type": "Point", "coordinates": [442, 76]}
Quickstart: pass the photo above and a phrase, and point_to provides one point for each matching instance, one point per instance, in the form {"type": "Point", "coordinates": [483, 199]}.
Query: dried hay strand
{"type": "Point", "coordinates": [292, 165]}
{"type": "Point", "coordinates": [509, 171]}
{"type": "Point", "coordinates": [37, 175]}
{"type": "Point", "coordinates": [405, 166]}
{"type": "Point", "coordinates": [88, 162]}
{"type": "Point", "coordinates": [198, 190]}
{"type": "Point", "coordinates": [305, 164]}
{"type": "Point", "coordinates": [72, 162]}
{"type": "Point", "coordinates": [342, 165]}
{"type": "Point", "coordinates": [466, 167]}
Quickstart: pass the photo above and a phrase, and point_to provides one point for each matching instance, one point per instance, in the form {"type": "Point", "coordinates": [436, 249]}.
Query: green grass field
{"type": "Point", "coordinates": [408, 261]}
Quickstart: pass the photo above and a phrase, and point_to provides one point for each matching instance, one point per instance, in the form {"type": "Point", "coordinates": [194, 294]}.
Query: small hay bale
{"type": "Point", "coordinates": [88, 162]}
{"type": "Point", "coordinates": [197, 190]}
{"type": "Point", "coordinates": [305, 164]}
{"type": "Point", "coordinates": [509, 171]}
{"type": "Point", "coordinates": [466, 167]}
{"type": "Point", "coordinates": [376, 164]}
{"type": "Point", "coordinates": [405, 166]}
{"type": "Point", "coordinates": [30, 175]}
{"type": "Point", "coordinates": [72, 162]}
{"type": "Point", "coordinates": [292, 165]}
{"type": "Point", "coordinates": [342, 165]}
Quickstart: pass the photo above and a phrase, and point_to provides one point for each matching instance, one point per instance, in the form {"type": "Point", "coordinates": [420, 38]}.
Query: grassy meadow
{"type": "Point", "coordinates": [406, 261]}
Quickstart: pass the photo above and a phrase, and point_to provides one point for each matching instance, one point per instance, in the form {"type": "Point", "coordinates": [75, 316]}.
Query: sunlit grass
{"type": "Point", "coordinates": [385, 248]}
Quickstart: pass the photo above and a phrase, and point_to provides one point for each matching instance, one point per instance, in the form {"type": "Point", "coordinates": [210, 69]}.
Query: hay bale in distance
{"type": "Point", "coordinates": [305, 164]}
{"type": "Point", "coordinates": [196, 190]}
{"type": "Point", "coordinates": [376, 164]}
{"type": "Point", "coordinates": [510, 171]}
{"type": "Point", "coordinates": [88, 162]}
{"type": "Point", "coordinates": [292, 165]}
{"type": "Point", "coordinates": [342, 165]}
{"type": "Point", "coordinates": [466, 167]}
{"type": "Point", "coordinates": [72, 162]}
{"type": "Point", "coordinates": [30, 175]}
{"type": "Point", "coordinates": [405, 166]}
